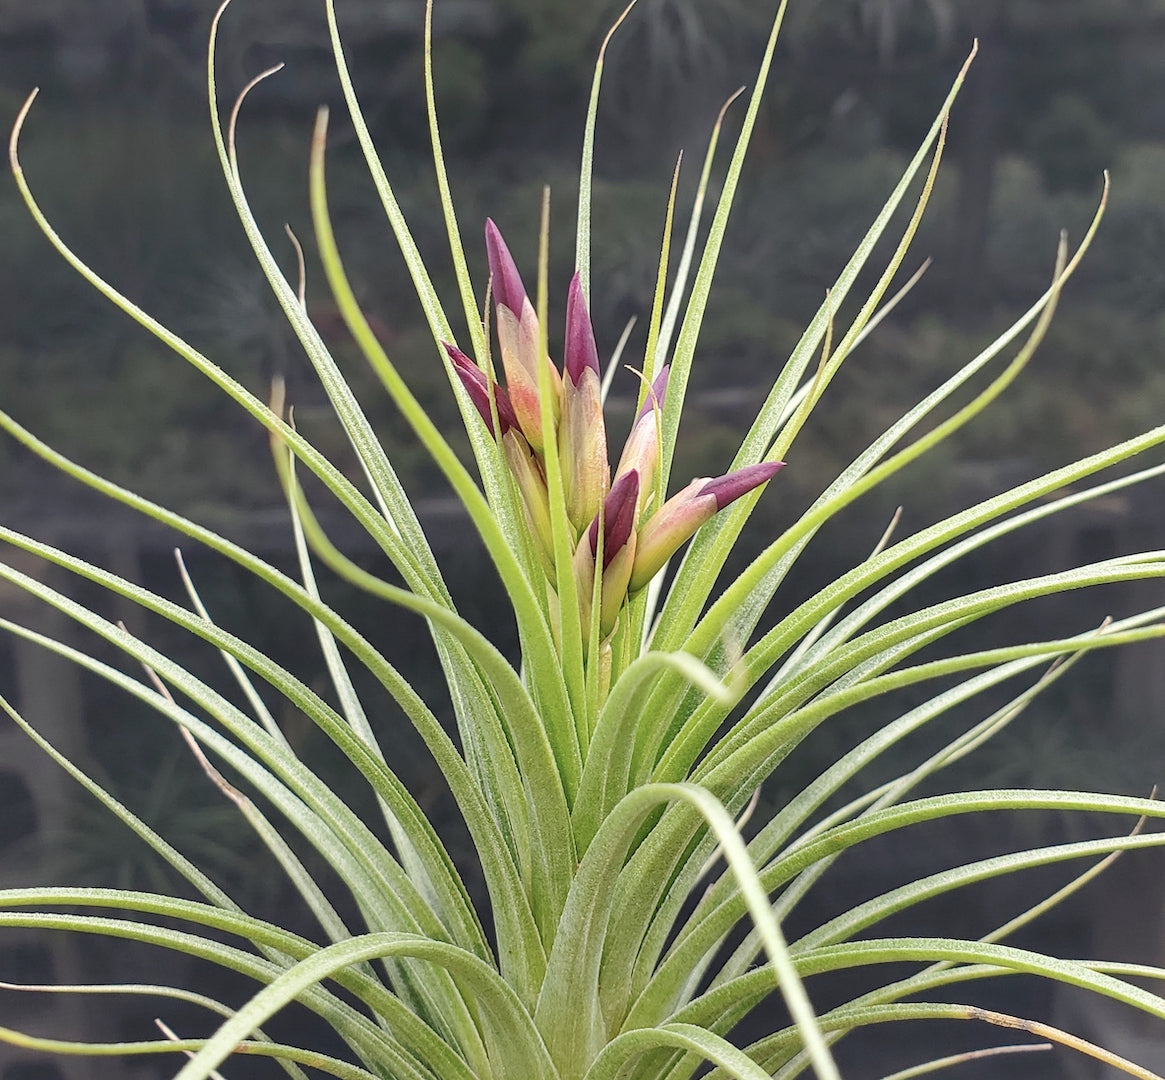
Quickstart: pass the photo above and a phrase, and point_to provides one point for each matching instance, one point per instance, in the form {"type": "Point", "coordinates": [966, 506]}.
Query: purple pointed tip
{"type": "Point", "coordinates": [656, 394]}
{"type": "Point", "coordinates": [581, 352]}
{"type": "Point", "coordinates": [734, 484]}
{"type": "Point", "coordinates": [618, 516]}
{"type": "Point", "coordinates": [460, 360]}
{"type": "Point", "coordinates": [477, 386]}
{"type": "Point", "coordinates": [507, 282]}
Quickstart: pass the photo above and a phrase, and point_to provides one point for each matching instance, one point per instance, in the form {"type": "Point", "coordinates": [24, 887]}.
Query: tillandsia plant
{"type": "Point", "coordinates": [629, 926]}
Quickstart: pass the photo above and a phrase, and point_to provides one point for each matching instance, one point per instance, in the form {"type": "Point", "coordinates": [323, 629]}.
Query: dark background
{"type": "Point", "coordinates": [118, 151]}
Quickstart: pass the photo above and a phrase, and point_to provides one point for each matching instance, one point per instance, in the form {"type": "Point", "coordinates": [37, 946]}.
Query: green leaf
{"type": "Point", "coordinates": [375, 1045]}
{"type": "Point", "coordinates": [611, 1063]}
{"type": "Point", "coordinates": [582, 257]}
{"type": "Point", "coordinates": [515, 1050]}
{"type": "Point", "coordinates": [708, 549]}
{"type": "Point", "coordinates": [567, 1014]}
{"type": "Point", "coordinates": [281, 1052]}
{"type": "Point", "coordinates": [533, 629]}
{"type": "Point", "coordinates": [520, 952]}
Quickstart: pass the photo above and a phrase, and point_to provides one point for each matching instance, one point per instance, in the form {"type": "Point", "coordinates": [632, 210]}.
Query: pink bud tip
{"type": "Point", "coordinates": [581, 352]}
{"type": "Point", "coordinates": [507, 282]}
{"type": "Point", "coordinates": [734, 484]}
{"type": "Point", "coordinates": [618, 516]}
{"type": "Point", "coordinates": [656, 394]}
{"type": "Point", "coordinates": [460, 360]}
{"type": "Point", "coordinates": [477, 386]}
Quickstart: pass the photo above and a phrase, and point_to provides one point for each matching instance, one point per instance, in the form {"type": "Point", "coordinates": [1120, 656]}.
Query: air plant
{"type": "Point", "coordinates": [604, 778]}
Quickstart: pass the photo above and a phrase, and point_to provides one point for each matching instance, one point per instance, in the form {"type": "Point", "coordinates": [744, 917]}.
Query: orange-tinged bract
{"type": "Point", "coordinates": [638, 536]}
{"type": "Point", "coordinates": [582, 435]}
{"type": "Point", "coordinates": [520, 343]}
{"type": "Point", "coordinates": [641, 451]}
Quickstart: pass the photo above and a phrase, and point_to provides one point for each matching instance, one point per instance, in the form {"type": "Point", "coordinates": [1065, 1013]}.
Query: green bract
{"type": "Point", "coordinates": [600, 780]}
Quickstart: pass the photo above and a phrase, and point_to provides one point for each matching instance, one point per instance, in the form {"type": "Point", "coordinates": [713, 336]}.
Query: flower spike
{"type": "Point", "coordinates": [618, 519]}
{"type": "Point", "coordinates": [677, 520]}
{"type": "Point", "coordinates": [582, 435]}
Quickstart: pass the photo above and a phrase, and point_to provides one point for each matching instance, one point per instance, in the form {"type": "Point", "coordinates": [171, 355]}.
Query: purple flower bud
{"type": "Point", "coordinates": [507, 282]}
{"type": "Point", "coordinates": [582, 435]}
{"type": "Point", "coordinates": [618, 517]}
{"type": "Point", "coordinates": [580, 352]}
{"type": "Point", "coordinates": [523, 359]}
{"type": "Point", "coordinates": [674, 523]}
{"type": "Point", "coordinates": [519, 341]}
{"type": "Point", "coordinates": [478, 387]}
{"type": "Point", "coordinates": [727, 488]}
{"type": "Point", "coordinates": [656, 394]}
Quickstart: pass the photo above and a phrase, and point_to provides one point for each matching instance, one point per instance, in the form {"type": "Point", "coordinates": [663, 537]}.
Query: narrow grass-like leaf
{"type": "Point", "coordinates": [386, 896]}
{"type": "Point", "coordinates": [567, 1011]}
{"type": "Point", "coordinates": [679, 284]}
{"type": "Point", "coordinates": [520, 952]}
{"type": "Point", "coordinates": [733, 777]}
{"type": "Point", "coordinates": [512, 1057]}
{"type": "Point", "coordinates": [979, 516]}
{"type": "Point", "coordinates": [373, 1044]}
{"type": "Point", "coordinates": [786, 715]}
{"type": "Point", "coordinates": [888, 794]}
{"type": "Point", "coordinates": [905, 950]}
{"type": "Point", "coordinates": [281, 1052]}
{"type": "Point", "coordinates": [734, 618]}
{"type": "Point", "coordinates": [568, 671]}
{"type": "Point", "coordinates": [606, 775]}
{"type": "Point", "coordinates": [532, 774]}
{"type": "Point", "coordinates": [394, 504]}
{"type": "Point", "coordinates": [697, 302]}
{"type": "Point", "coordinates": [708, 550]}
{"type": "Point", "coordinates": [582, 250]}
{"type": "Point", "coordinates": [965, 1058]}
{"type": "Point", "coordinates": [532, 626]}
{"type": "Point", "coordinates": [297, 874]}
{"type": "Point", "coordinates": [712, 625]}
{"type": "Point", "coordinates": [853, 1018]}
{"type": "Point", "coordinates": [271, 752]}
{"type": "Point", "coordinates": [488, 459]}
{"type": "Point", "coordinates": [696, 943]}
{"type": "Point", "coordinates": [448, 210]}
{"type": "Point", "coordinates": [903, 583]}
{"type": "Point", "coordinates": [862, 916]}
{"type": "Point", "coordinates": [407, 1028]}
{"type": "Point", "coordinates": [370, 520]}
{"type": "Point", "coordinates": [262, 713]}
{"type": "Point", "coordinates": [652, 363]}
{"type": "Point", "coordinates": [613, 1061]}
